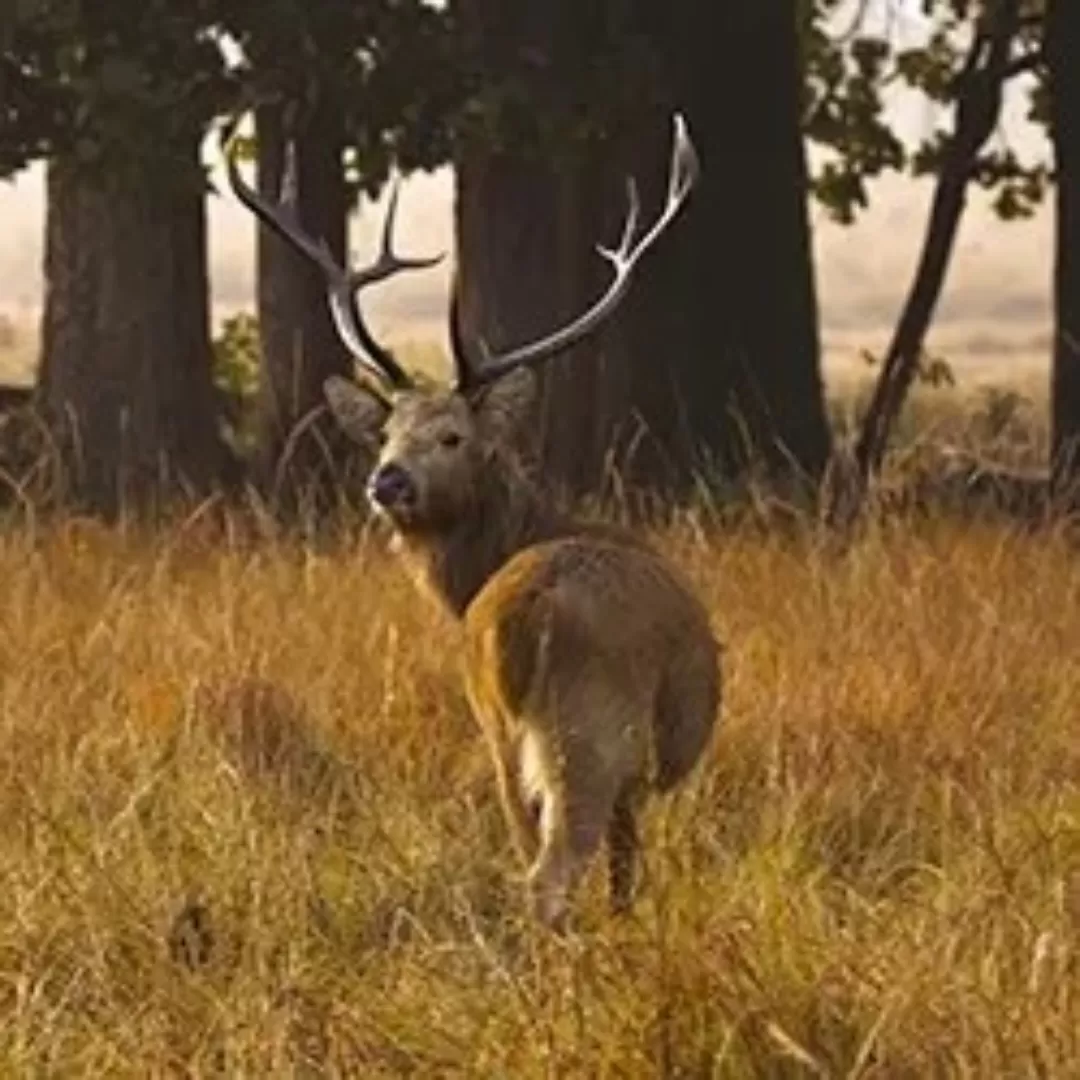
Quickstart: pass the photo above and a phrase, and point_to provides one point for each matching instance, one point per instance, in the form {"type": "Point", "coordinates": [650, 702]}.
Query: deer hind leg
{"type": "Point", "coordinates": [623, 844]}
{"type": "Point", "coordinates": [575, 816]}
{"type": "Point", "coordinates": [520, 808]}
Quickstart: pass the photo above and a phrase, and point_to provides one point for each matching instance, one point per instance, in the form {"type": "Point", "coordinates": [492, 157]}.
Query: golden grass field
{"type": "Point", "coordinates": [250, 829]}
{"type": "Point", "coordinates": [875, 873]}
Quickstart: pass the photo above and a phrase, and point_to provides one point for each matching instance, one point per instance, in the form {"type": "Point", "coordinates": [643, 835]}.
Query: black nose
{"type": "Point", "coordinates": [391, 485]}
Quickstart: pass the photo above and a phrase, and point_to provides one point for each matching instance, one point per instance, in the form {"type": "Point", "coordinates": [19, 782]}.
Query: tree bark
{"type": "Point", "coordinates": [521, 274]}
{"type": "Point", "coordinates": [713, 360]}
{"type": "Point", "coordinates": [1063, 56]}
{"type": "Point", "coordinates": [300, 453]}
{"type": "Point", "coordinates": [126, 374]}
{"type": "Point", "coordinates": [733, 295]}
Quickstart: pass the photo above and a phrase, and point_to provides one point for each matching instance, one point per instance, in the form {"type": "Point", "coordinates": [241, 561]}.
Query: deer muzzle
{"type": "Point", "coordinates": [392, 488]}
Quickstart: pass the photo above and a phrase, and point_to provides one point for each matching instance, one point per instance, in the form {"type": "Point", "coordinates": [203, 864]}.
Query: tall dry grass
{"type": "Point", "coordinates": [249, 830]}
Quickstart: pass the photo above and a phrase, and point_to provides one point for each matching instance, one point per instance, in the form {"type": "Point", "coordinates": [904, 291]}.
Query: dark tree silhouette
{"type": "Point", "coordinates": [714, 359]}
{"type": "Point", "coordinates": [118, 100]}
{"type": "Point", "coordinates": [125, 372]}
{"type": "Point", "coordinates": [1063, 55]}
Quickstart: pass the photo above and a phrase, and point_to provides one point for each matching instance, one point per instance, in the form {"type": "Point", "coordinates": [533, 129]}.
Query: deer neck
{"type": "Point", "coordinates": [509, 515]}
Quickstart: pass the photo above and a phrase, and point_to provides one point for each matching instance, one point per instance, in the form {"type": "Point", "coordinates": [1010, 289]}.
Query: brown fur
{"type": "Point", "coordinates": [589, 664]}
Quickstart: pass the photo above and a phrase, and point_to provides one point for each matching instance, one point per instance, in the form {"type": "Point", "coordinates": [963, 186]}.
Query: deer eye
{"type": "Point", "coordinates": [450, 439]}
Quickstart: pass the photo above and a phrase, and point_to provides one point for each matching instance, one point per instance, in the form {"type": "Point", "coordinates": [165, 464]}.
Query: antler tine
{"type": "Point", "coordinates": [389, 263]}
{"type": "Point", "coordinates": [633, 214]}
{"type": "Point", "coordinates": [341, 286]}
{"type": "Point", "coordinates": [464, 372]}
{"type": "Point", "coordinates": [685, 170]}
{"type": "Point", "coordinates": [386, 266]}
{"type": "Point", "coordinates": [281, 220]}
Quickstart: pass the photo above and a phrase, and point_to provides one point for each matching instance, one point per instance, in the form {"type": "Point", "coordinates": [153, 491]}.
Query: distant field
{"type": "Point", "coordinates": [1015, 365]}
{"type": "Point", "coordinates": [875, 873]}
{"type": "Point", "coordinates": [1006, 391]}
{"type": "Point", "coordinates": [18, 358]}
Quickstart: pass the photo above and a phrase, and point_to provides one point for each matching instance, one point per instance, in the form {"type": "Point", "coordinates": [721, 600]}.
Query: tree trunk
{"type": "Point", "coordinates": [126, 361]}
{"type": "Point", "coordinates": [713, 360]}
{"type": "Point", "coordinates": [743, 311]}
{"type": "Point", "coordinates": [300, 452]}
{"type": "Point", "coordinates": [1063, 54]}
{"type": "Point", "coordinates": [521, 272]}
{"type": "Point", "coordinates": [980, 88]}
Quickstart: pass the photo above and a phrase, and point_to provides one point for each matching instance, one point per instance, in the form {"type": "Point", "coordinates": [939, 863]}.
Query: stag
{"type": "Point", "coordinates": [590, 665]}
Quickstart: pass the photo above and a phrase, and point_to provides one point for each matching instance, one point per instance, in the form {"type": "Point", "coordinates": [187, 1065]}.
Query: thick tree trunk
{"type": "Point", "coordinates": [1063, 51]}
{"type": "Point", "coordinates": [126, 361]}
{"type": "Point", "coordinates": [745, 304]}
{"type": "Point", "coordinates": [524, 235]}
{"type": "Point", "coordinates": [300, 451]}
{"type": "Point", "coordinates": [524, 267]}
{"type": "Point", "coordinates": [713, 359]}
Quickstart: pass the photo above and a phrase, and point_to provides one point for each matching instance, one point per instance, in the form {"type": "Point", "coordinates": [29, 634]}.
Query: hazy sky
{"type": "Point", "coordinates": [997, 295]}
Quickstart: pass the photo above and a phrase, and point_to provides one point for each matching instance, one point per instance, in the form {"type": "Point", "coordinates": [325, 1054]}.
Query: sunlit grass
{"type": "Point", "coordinates": [876, 871]}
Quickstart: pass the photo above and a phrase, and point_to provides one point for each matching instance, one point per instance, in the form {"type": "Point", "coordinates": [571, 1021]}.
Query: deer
{"type": "Point", "coordinates": [590, 666]}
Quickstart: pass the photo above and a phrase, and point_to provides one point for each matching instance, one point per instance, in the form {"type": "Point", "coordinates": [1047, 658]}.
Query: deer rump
{"type": "Point", "coordinates": [583, 620]}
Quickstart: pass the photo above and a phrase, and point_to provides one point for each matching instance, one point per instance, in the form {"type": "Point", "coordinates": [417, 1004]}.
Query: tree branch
{"type": "Point", "coordinates": [1026, 62]}
{"type": "Point", "coordinates": [978, 106]}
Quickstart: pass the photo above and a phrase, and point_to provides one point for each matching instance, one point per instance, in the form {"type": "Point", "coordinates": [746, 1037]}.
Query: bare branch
{"type": "Point", "coordinates": [1023, 64]}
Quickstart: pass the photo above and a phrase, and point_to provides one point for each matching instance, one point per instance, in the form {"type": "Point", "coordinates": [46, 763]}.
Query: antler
{"type": "Point", "coordinates": [685, 169]}
{"type": "Point", "coordinates": [342, 287]}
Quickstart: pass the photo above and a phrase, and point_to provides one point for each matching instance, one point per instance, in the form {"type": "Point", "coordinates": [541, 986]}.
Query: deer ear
{"type": "Point", "coordinates": [503, 406]}
{"type": "Point", "coordinates": [359, 411]}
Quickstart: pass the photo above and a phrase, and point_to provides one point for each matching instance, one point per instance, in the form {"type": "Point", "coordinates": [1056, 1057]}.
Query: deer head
{"type": "Point", "coordinates": [433, 445]}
